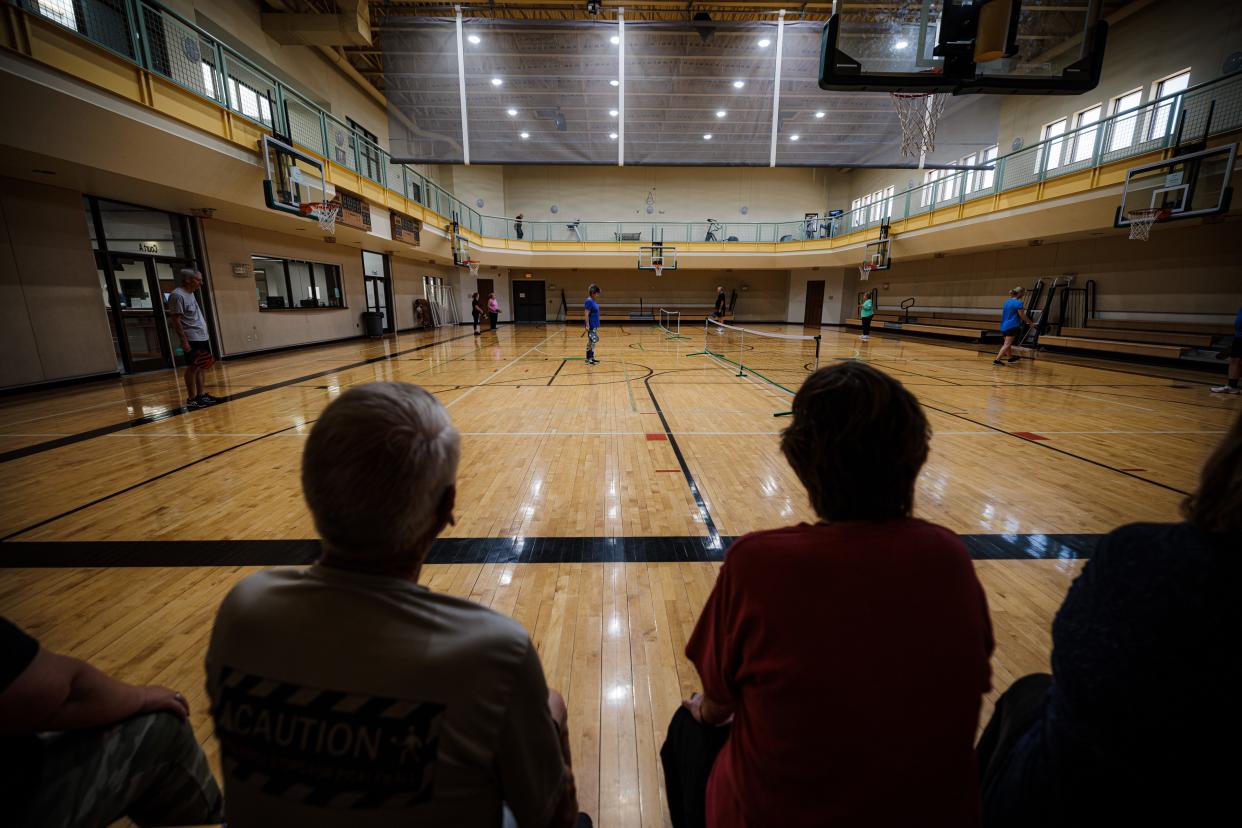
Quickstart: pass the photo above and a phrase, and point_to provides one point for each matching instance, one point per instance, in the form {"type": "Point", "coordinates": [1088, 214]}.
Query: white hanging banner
{"type": "Point", "coordinates": [461, 88]}
{"type": "Point", "coordinates": [776, 88]}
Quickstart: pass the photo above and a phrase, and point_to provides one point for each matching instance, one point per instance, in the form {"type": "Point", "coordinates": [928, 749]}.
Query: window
{"type": "Point", "coordinates": [249, 101]}
{"type": "Point", "coordinates": [292, 283]}
{"type": "Point", "coordinates": [1164, 120]}
{"type": "Point", "coordinates": [1122, 130]}
{"type": "Point", "coordinates": [1085, 132]}
{"type": "Point", "coordinates": [59, 10]}
{"type": "Point", "coordinates": [987, 178]}
{"type": "Point", "coordinates": [1054, 145]}
{"type": "Point", "coordinates": [368, 150]}
{"type": "Point", "coordinates": [929, 180]}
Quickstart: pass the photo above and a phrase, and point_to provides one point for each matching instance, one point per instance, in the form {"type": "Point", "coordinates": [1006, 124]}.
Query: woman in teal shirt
{"type": "Point", "coordinates": [865, 312]}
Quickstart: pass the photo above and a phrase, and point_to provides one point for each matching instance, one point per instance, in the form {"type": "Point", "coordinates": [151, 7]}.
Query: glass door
{"type": "Point", "coordinates": [141, 313]}
{"type": "Point", "coordinates": [378, 290]}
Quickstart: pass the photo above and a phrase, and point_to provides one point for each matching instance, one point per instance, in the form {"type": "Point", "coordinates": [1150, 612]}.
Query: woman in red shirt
{"type": "Point", "coordinates": [846, 659]}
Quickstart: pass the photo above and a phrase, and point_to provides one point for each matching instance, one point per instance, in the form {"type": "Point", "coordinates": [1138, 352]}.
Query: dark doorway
{"type": "Point", "coordinates": [378, 286]}
{"type": "Point", "coordinates": [813, 315]}
{"type": "Point", "coordinates": [529, 301]}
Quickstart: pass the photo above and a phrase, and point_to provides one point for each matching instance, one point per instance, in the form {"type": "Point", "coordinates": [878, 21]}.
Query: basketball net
{"type": "Point", "coordinates": [325, 212]}
{"type": "Point", "coordinates": [1141, 221]}
{"type": "Point", "coordinates": [473, 265]}
{"type": "Point", "coordinates": [864, 272]}
{"type": "Point", "coordinates": [919, 115]}
{"type": "Point", "coordinates": [658, 267]}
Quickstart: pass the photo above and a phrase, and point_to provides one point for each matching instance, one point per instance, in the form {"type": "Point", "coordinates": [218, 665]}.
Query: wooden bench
{"type": "Point", "coordinates": [1113, 346]}
{"type": "Point", "coordinates": [1198, 340]}
{"type": "Point", "coordinates": [1221, 329]}
{"type": "Point", "coordinates": [917, 327]}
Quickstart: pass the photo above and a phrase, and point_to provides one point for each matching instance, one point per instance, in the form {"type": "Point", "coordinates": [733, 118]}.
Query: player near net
{"type": "Point", "coordinates": [590, 318]}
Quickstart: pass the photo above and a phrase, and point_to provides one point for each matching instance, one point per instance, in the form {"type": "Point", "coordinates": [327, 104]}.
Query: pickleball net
{"type": "Point", "coordinates": [779, 359]}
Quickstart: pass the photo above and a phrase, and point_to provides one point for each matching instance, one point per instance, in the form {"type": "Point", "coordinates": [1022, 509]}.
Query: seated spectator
{"type": "Point", "coordinates": [846, 659]}
{"type": "Point", "coordinates": [1138, 722]}
{"type": "Point", "coordinates": [79, 748]}
{"type": "Point", "coordinates": [346, 694]}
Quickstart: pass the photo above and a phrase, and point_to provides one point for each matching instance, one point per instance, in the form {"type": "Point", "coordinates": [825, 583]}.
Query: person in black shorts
{"type": "Point", "coordinates": [191, 328]}
{"type": "Point", "coordinates": [1013, 315]}
{"type": "Point", "coordinates": [721, 303]}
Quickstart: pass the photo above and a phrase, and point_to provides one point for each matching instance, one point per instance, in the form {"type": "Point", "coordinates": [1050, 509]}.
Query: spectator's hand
{"type": "Point", "coordinates": [156, 699]}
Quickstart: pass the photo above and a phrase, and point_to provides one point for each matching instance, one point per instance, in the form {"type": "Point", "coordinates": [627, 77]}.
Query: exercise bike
{"type": "Point", "coordinates": [714, 229]}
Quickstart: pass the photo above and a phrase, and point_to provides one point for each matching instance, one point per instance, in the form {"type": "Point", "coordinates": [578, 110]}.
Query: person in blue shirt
{"type": "Point", "coordinates": [1235, 360]}
{"type": "Point", "coordinates": [1013, 315]}
{"type": "Point", "coordinates": [590, 317]}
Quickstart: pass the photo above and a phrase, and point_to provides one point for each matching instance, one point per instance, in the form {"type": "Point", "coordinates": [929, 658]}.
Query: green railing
{"type": "Point", "coordinates": [163, 42]}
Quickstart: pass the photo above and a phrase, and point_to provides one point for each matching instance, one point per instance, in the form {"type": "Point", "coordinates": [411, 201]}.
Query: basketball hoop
{"type": "Point", "coordinates": [864, 272]}
{"type": "Point", "coordinates": [658, 266]}
{"type": "Point", "coordinates": [324, 211]}
{"type": "Point", "coordinates": [473, 264]}
{"type": "Point", "coordinates": [1142, 220]}
{"type": "Point", "coordinates": [919, 115]}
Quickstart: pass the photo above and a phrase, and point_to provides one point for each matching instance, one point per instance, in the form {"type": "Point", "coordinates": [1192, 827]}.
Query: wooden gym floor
{"type": "Point", "coordinates": [124, 520]}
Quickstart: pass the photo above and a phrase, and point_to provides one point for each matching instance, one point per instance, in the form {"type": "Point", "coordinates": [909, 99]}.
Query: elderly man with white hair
{"type": "Point", "coordinates": [346, 694]}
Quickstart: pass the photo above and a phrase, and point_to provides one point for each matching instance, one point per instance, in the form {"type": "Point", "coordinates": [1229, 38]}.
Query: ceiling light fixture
{"type": "Point", "coordinates": [738, 84]}
{"type": "Point", "coordinates": [497, 82]}
{"type": "Point", "coordinates": [765, 43]}
{"type": "Point", "coordinates": [721, 113]}
{"type": "Point", "coordinates": [614, 113]}
{"type": "Point", "coordinates": [614, 40]}
{"type": "Point", "coordinates": [612, 135]}
{"type": "Point", "coordinates": [707, 136]}
{"type": "Point", "coordinates": [474, 39]}
{"type": "Point", "coordinates": [525, 135]}
{"type": "Point", "coordinates": [794, 137]}
{"type": "Point", "coordinates": [819, 114]}
{"type": "Point", "coordinates": [614, 82]}
{"type": "Point", "coordinates": [512, 113]}
{"type": "Point", "coordinates": [901, 44]}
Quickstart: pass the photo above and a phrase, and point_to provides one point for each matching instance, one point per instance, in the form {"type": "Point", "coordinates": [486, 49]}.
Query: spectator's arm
{"type": "Point", "coordinates": [535, 776]}
{"type": "Point", "coordinates": [57, 692]}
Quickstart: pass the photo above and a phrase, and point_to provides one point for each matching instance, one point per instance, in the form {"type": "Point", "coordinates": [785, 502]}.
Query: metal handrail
{"type": "Point", "coordinates": [322, 133]}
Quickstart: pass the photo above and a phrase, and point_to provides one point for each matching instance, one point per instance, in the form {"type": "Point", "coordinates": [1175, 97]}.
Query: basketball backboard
{"type": "Point", "coordinates": [659, 257]}
{"type": "Point", "coordinates": [964, 46]}
{"type": "Point", "coordinates": [1186, 186]}
{"type": "Point", "coordinates": [292, 178]}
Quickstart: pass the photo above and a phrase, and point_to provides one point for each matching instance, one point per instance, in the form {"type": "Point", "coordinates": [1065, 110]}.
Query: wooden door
{"type": "Point", "coordinates": [528, 301]}
{"type": "Point", "coordinates": [813, 315]}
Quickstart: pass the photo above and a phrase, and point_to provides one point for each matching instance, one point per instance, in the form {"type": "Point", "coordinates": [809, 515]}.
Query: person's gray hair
{"type": "Point", "coordinates": [188, 273]}
{"type": "Point", "coordinates": [376, 467]}
{"type": "Point", "coordinates": [1018, 291]}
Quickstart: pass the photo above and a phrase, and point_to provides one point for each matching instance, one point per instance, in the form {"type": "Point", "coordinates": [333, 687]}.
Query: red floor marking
{"type": "Point", "coordinates": [657, 436]}
{"type": "Point", "coordinates": [1028, 435]}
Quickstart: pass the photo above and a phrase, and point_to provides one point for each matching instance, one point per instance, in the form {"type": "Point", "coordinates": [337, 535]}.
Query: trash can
{"type": "Point", "coordinates": [373, 323]}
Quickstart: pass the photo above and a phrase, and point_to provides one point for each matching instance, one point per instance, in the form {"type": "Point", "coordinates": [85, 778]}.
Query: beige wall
{"type": "Point", "coordinates": [1188, 272]}
{"type": "Point", "coordinates": [765, 297]}
{"type": "Point", "coordinates": [53, 324]}
{"type": "Point", "coordinates": [1161, 39]}
{"type": "Point", "coordinates": [837, 305]}
{"type": "Point", "coordinates": [244, 328]}
{"type": "Point", "coordinates": [678, 193]}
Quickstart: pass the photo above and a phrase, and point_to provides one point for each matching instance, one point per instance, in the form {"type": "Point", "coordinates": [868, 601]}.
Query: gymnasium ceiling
{"type": "Point", "coordinates": [556, 66]}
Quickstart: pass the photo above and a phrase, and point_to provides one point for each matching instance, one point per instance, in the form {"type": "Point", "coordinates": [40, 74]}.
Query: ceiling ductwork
{"type": "Point", "coordinates": [349, 26]}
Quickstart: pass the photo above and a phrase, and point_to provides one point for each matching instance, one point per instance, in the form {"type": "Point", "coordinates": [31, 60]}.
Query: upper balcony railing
{"type": "Point", "coordinates": [168, 45]}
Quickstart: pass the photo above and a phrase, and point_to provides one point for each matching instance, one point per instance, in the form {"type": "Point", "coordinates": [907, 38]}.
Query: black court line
{"type": "Point", "coordinates": [713, 539]}
{"type": "Point", "coordinates": [688, 549]}
{"type": "Point", "coordinates": [71, 439]}
{"type": "Point", "coordinates": [557, 371]}
{"type": "Point", "coordinates": [1044, 445]}
{"type": "Point", "coordinates": [142, 483]}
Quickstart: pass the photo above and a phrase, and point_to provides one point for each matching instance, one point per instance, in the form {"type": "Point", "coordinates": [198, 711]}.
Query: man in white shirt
{"type": "Point", "coordinates": [346, 694]}
{"type": "Point", "coordinates": [191, 329]}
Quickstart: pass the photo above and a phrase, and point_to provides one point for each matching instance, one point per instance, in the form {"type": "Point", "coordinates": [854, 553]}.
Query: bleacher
{"type": "Point", "coordinates": [1119, 337]}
